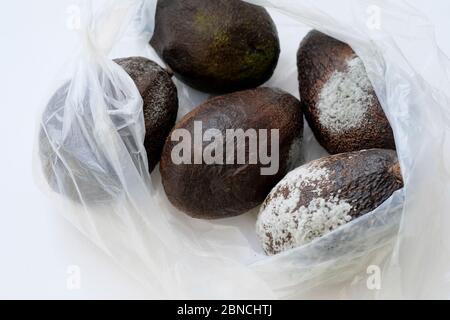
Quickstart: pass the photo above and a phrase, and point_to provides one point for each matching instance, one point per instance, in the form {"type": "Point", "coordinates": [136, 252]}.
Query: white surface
{"type": "Point", "coordinates": [36, 244]}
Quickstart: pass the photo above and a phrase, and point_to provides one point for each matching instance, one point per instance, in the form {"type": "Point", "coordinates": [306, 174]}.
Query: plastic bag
{"type": "Point", "coordinates": [93, 131]}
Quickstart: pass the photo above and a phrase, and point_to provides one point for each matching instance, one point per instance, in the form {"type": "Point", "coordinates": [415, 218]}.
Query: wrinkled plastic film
{"type": "Point", "coordinates": [93, 130]}
{"type": "Point", "coordinates": [410, 76]}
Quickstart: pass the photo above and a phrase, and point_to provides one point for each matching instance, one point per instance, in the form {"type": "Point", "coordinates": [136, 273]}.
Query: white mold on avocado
{"type": "Point", "coordinates": [346, 98]}
{"type": "Point", "coordinates": [283, 224]}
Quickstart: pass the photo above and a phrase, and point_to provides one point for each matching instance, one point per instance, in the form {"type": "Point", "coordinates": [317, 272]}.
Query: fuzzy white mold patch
{"type": "Point", "coordinates": [345, 98]}
{"type": "Point", "coordinates": [283, 224]}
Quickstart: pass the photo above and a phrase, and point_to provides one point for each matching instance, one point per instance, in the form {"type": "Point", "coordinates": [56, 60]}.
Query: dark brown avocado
{"type": "Point", "coordinates": [160, 102]}
{"type": "Point", "coordinates": [86, 174]}
{"type": "Point", "coordinates": [339, 101]}
{"type": "Point", "coordinates": [325, 194]}
{"type": "Point", "coordinates": [216, 46]}
{"type": "Point", "coordinates": [220, 190]}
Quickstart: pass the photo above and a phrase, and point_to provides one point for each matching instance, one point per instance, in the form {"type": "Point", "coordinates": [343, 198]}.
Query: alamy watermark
{"type": "Point", "coordinates": [73, 21]}
{"type": "Point", "coordinates": [235, 146]}
{"type": "Point", "coordinates": [73, 281]}
{"type": "Point", "coordinates": [374, 278]}
{"type": "Point", "coordinates": [373, 17]}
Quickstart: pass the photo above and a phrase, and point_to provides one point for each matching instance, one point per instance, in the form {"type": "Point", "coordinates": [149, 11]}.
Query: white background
{"type": "Point", "coordinates": [37, 246]}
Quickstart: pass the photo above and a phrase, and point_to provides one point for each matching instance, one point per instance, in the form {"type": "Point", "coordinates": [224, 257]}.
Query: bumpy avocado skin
{"type": "Point", "coordinates": [160, 102]}
{"type": "Point", "coordinates": [85, 172]}
{"type": "Point", "coordinates": [216, 46]}
{"type": "Point", "coordinates": [364, 179]}
{"type": "Point", "coordinates": [318, 57]}
{"type": "Point", "coordinates": [217, 191]}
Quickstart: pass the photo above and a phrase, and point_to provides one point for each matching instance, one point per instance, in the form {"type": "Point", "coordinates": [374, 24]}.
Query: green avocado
{"type": "Point", "coordinates": [216, 46]}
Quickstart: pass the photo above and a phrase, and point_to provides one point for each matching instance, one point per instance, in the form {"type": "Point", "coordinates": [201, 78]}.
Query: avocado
{"type": "Point", "coordinates": [339, 101]}
{"type": "Point", "coordinates": [86, 170]}
{"type": "Point", "coordinates": [160, 102]}
{"type": "Point", "coordinates": [325, 194]}
{"type": "Point", "coordinates": [232, 185]}
{"type": "Point", "coordinates": [216, 46]}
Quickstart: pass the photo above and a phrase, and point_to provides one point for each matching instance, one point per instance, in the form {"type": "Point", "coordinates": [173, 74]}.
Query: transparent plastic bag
{"type": "Point", "coordinates": [93, 131]}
